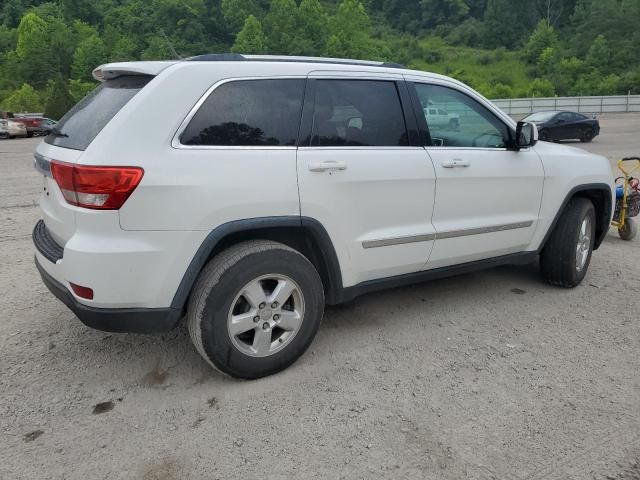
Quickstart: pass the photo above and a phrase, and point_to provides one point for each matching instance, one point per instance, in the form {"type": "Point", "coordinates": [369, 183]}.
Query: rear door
{"type": "Point", "coordinates": [363, 175]}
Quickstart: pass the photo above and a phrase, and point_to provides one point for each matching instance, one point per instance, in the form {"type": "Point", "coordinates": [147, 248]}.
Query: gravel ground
{"type": "Point", "coordinates": [491, 375]}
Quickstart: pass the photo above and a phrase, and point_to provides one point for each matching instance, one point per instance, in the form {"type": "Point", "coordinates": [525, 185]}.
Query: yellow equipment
{"type": "Point", "coordinates": [627, 199]}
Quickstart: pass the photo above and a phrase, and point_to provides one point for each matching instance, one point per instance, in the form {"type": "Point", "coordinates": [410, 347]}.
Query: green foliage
{"type": "Point", "coordinates": [599, 54]}
{"type": "Point", "coordinates": [90, 53]}
{"type": "Point", "coordinates": [350, 32]}
{"type": "Point", "coordinates": [24, 99]}
{"type": "Point", "coordinates": [236, 12]}
{"type": "Point", "coordinates": [436, 12]}
{"type": "Point", "coordinates": [251, 38]}
{"type": "Point", "coordinates": [59, 100]}
{"type": "Point", "coordinates": [542, 38]}
{"type": "Point", "coordinates": [280, 24]}
{"type": "Point", "coordinates": [79, 89]}
{"type": "Point", "coordinates": [502, 47]}
{"type": "Point", "coordinates": [312, 30]}
{"type": "Point", "coordinates": [541, 87]}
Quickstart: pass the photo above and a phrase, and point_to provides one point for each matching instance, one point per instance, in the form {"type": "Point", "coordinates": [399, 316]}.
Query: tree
{"type": "Point", "coordinates": [280, 25]}
{"type": "Point", "coordinates": [311, 32]}
{"type": "Point", "coordinates": [599, 54]}
{"type": "Point", "coordinates": [89, 54]}
{"type": "Point", "coordinates": [507, 22]}
{"type": "Point", "coordinates": [541, 87]}
{"type": "Point", "coordinates": [235, 12]}
{"type": "Point", "coordinates": [436, 12]}
{"type": "Point", "coordinates": [79, 89]}
{"type": "Point", "coordinates": [24, 99]}
{"type": "Point", "coordinates": [543, 37]}
{"type": "Point", "coordinates": [59, 100]}
{"type": "Point", "coordinates": [350, 32]}
{"type": "Point", "coordinates": [37, 62]}
{"type": "Point", "coordinates": [251, 38]}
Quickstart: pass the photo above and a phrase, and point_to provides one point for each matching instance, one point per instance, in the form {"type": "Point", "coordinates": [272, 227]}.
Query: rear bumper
{"type": "Point", "coordinates": [132, 320]}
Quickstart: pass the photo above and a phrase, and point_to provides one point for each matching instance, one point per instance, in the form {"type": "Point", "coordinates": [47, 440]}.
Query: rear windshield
{"type": "Point", "coordinates": [81, 124]}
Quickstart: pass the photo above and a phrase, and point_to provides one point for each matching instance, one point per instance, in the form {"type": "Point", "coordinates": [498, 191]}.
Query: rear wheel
{"type": "Point", "coordinates": [587, 135]}
{"type": "Point", "coordinates": [544, 136]}
{"type": "Point", "coordinates": [629, 231]}
{"type": "Point", "coordinates": [566, 256]}
{"type": "Point", "coordinates": [255, 309]}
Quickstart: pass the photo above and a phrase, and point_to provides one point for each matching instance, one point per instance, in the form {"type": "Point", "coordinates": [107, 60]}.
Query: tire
{"type": "Point", "coordinates": [218, 295]}
{"type": "Point", "coordinates": [562, 262]}
{"type": "Point", "coordinates": [629, 231]}
{"type": "Point", "coordinates": [587, 135]}
{"type": "Point", "coordinates": [543, 136]}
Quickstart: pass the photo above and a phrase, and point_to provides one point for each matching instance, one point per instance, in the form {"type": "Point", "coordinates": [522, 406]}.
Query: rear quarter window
{"type": "Point", "coordinates": [82, 124]}
{"type": "Point", "coordinates": [248, 113]}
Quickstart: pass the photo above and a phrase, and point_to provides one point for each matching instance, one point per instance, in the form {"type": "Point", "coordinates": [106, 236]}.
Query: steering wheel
{"type": "Point", "coordinates": [490, 133]}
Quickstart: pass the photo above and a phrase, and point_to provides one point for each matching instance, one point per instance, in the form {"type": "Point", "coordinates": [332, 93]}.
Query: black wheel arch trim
{"type": "Point", "coordinates": [313, 226]}
{"type": "Point", "coordinates": [605, 219]}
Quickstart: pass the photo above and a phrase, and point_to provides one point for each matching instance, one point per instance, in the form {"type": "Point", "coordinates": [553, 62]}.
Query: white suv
{"type": "Point", "coordinates": [246, 192]}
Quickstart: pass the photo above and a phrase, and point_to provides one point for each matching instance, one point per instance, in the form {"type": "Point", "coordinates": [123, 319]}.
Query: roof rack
{"type": "Point", "coordinates": [236, 57]}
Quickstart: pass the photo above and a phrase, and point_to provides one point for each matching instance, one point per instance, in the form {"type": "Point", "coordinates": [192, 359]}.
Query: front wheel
{"type": "Point", "coordinates": [566, 256]}
{"type": "Point", "coordinates": [629, 231]}
{"type": "Point", "coordinates": [255, 309]}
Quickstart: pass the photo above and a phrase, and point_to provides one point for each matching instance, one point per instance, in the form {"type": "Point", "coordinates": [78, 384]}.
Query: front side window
{"type": "Point", "coordinates": [358, 113]}
{"type": "Point", "coordinates": [248, 113]}
{"type": "Point", "coordinates": [463, 123]}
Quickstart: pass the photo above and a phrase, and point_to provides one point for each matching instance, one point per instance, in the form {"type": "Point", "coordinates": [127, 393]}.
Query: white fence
{"type": "Point", "coordinates": [525, 106]}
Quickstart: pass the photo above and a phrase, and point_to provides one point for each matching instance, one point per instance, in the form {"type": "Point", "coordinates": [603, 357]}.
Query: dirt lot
{"type": "Point", "coordinates": [492, 375]}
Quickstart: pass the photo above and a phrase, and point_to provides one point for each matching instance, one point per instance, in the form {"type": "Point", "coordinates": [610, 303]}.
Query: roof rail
{"type": "Point", "coordinates": [236, 57]}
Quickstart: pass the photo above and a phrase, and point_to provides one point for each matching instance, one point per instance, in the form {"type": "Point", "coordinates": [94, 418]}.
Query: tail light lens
{"type": "Point", "coordinates": [82, 292]}
{"type": "Point", "coordinates": [98, 188]}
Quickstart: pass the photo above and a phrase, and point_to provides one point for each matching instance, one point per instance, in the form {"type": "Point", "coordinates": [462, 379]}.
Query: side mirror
{"type": "Point", "coordinates": [526, 135]}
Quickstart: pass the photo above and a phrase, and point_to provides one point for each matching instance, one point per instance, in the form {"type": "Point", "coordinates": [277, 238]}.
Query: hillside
{"type": "Point", "coordinates": [503, 48]}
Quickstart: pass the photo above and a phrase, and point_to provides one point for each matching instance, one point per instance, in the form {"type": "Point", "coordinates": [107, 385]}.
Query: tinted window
{"type": "Point", "coordinates": [565, 117]}
{"type": "Point", "coordinates": [358, 113]}
{"type": "Point", "coordinates": [248, 112]}
{"type": "Point", "coordinates": [81, 124]}
{"type": "Point", "coordinates": [466, 124]}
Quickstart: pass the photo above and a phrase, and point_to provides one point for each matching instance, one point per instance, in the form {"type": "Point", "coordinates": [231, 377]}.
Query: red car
{"type": "Point", "coordinates": [33, 124]}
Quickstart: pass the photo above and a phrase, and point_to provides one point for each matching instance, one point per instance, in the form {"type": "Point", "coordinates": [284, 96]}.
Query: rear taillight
{"type": "Point", "coordinates": [99, 188]}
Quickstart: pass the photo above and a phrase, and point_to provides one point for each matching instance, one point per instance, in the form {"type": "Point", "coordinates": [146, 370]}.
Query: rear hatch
{"type": "Point", "coordinates": [67, 142]}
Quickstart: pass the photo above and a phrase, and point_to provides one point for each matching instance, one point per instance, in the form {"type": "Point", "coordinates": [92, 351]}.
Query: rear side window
{"type": "Point", "coordinates": [248, 113]}
{"type": "Point", "coordinates": [80, 125]}
{"type": "Point", "coordinates": [358, 113]}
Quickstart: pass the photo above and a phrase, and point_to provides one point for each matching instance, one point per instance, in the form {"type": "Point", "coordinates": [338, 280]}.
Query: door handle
{"type": "Point", "coordinates": [456, 163]}
{"type": "Point", "coordinates": [327, 166]}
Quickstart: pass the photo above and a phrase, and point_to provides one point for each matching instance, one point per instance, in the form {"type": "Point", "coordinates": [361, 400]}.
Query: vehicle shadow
{"type": "Point", "coordinates": [168, 361]}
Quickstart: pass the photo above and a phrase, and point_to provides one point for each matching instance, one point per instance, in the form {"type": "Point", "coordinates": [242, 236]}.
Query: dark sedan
{"type": "Point", "coordinates": [554, 126]}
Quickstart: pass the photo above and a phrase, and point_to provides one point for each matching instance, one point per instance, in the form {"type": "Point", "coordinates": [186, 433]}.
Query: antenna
{"type": "Point", "coordinates": [170, 45]}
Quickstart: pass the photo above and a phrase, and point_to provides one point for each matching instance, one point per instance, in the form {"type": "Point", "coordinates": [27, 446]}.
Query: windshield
{"type": "Point", "coordinates": [540, 117]}
{"type": "Point", "coordinates": [80, 125]}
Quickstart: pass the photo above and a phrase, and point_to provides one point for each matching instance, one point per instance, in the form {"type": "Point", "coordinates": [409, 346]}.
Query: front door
{"type": "Point", "coordinates": [487, 197]}
{"type": "Point", "coordinates": [363, 178]}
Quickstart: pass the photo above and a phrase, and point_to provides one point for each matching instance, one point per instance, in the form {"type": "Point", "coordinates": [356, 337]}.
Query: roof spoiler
{"type": "Point", "coordinates": [110, 71]}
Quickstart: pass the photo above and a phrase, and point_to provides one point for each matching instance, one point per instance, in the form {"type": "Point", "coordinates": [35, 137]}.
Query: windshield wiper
{"type": "Point", "coordinates": [57, 133]}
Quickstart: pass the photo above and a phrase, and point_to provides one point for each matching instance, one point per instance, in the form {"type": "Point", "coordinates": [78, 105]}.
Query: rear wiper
{"type": "Point", "coordinates": [57, 133]}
